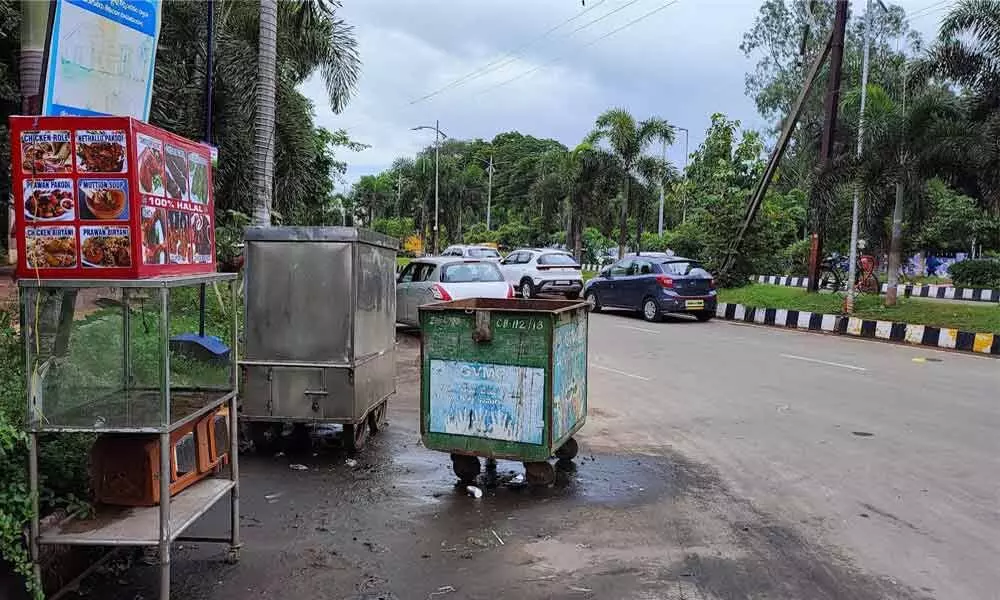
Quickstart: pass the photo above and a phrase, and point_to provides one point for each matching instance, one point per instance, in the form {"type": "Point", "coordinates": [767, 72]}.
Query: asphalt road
{"type": "Point", "coordinates": [718, 462]}
{"type": "Point", "coordinates": [887, 453]}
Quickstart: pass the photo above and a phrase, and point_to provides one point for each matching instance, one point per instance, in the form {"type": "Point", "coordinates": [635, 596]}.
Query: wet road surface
{"type": "Point", "coordinates": [711, 467]}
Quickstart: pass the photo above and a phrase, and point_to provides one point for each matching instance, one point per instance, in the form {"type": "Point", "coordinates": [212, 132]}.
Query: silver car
{"type": "Point", "coordinates": [473, 251]}
{"type": "Point", "coordinates": [445, 278]}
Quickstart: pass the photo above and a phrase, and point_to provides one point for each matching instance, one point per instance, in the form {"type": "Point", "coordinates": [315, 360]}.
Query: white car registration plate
{"type": "Point", "coordinates": [563, 283]}
{"type": "Point", "coordinates": [694, 304]}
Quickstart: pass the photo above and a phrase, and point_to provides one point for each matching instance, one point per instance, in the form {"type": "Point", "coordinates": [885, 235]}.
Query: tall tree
{"type": "Point", "coordinates": [627, 140]}
{"type": "Point", "coordinates": [316, 38]}
{"type": "Point", "coordinates": [906, 147]}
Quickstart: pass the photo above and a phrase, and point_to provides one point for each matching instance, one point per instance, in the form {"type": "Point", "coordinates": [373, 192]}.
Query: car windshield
{"type": "Point", "coordinates": [483, 253]}
{"type": "Point", "coordinates": [557, 259]}
{"type": "Point", "coordinates": [681, 267]}
{"type": "Point", "coordinates": [470, 273]}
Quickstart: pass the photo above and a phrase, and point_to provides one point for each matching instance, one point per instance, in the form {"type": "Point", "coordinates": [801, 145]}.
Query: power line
{"type": "Point", "coordinates": [587, 45]}
{"type": "Point", "coordinates": [931, 8]}
{"type": "Point", "coordinates": [508, 57]}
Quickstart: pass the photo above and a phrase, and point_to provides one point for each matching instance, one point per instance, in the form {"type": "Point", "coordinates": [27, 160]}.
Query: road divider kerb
{"type": "Point", "coordinates": [889, 331]}
{"type": "Point", "coordinates": [940, 292]}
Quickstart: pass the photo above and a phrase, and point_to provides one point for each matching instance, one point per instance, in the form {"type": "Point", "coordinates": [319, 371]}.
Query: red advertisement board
{"type": "Point", "coordinates": [110, 198]}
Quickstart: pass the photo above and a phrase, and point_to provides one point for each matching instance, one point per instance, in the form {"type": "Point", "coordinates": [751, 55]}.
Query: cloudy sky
{"type": "Point", "coordinates": [676, 59]}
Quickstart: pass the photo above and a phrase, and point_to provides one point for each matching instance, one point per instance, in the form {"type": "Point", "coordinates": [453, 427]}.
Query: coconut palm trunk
{"type": "Point", "coordinates": [895, 247]}
{"type": "Point", "coordinates": [264, 125]}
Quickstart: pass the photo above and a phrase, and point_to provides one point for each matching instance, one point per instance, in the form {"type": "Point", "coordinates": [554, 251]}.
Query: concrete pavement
{"type": "Point", "coordinates": [892, 461]}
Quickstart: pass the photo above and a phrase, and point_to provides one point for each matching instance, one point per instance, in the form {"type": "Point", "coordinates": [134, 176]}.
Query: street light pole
{"type": "Point", "coordinates": [489, 193]}
{"type": "Point", "coordinates": [853, 254]}
{"type": "Point", "coordinates": [437, 182]}
{"type": "Point", "coordinates": [438, 134]}
{"type": "Point", "coordinates": [663, 152]}
{"type": "Point", "coordinates": [684, 189]}
{"type": "Point", "coordinates": [663, 149]}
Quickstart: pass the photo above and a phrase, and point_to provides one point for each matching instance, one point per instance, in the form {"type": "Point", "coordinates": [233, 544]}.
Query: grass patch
{"type": "Point", "coordinates": [967, 317]}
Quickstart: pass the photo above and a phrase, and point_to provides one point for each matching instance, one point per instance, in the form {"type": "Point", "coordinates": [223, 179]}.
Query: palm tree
{"type": "Point", "coordinates": [628, 140]}
{"type": "Point", "coordinates": [591, 174]}
{"type": "Point", "coordinates": [905, 147]}
{"type": "Point", "coordinates": [314, 37]}
{"type": "Point", "coordinates": [966, 54]}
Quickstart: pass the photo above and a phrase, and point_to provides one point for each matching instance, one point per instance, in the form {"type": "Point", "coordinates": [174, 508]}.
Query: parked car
{"type": "Point", "coordinates": [532, 271]}
{"type": "Point", "coordinates": [445, 278]}
{"type": "Point", "coordinates": [654, 285]}
{"type": "Point", "coordinates": [483, 252]}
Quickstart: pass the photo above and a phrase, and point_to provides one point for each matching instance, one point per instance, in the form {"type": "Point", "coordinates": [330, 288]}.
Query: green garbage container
{"type": "Point", "coordinates": [503, 379]}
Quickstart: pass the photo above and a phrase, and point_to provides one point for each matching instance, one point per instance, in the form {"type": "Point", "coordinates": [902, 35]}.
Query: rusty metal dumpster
{"type": "Point", "coordinates": [503, 379]}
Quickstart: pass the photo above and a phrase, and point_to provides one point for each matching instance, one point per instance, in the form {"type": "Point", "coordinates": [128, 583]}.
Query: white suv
{"type": "Point", "coordinates": [532, 272]}
{"type": "Point", "coordinates": [480, 252]}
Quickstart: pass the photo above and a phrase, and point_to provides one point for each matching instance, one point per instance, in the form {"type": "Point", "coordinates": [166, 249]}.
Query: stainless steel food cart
{"type": "Point", "coordinates": [320, 329]}
{"type": "Point", "coordinates": [116, 374]}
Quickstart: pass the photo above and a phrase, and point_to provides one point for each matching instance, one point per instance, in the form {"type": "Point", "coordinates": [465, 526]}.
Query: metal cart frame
{"type": "Point", "coordinates": [320, 339]}
{"type": "Point", "coordinates": [156, 526]}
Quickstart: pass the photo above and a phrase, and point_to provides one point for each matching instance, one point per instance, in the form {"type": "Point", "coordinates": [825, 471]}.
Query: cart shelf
{"type": "Point", "coordinates": [121, 526]}
{"type": "Point", "coordinates": [133, 411]}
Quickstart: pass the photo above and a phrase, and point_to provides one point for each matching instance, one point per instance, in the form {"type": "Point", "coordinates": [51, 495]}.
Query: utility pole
{"type": "Point", "coordinates": [831, 103]}
{"type": "Point", "coordinates": [853, 254]}
{"type": "Point", "coordinates": [489, 193]}
{"type": "Point", "coordinates": [399, 193]}
{"type": "Point", "coordinates": [663, 157]}
{"type": "Point", "coordinates": [438, 134]}
{"type": "Point", "coordinates": [684, 212]}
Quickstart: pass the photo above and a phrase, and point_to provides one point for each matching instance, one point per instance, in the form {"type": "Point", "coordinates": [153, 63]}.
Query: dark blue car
{"type": "Point", "coordinates": [654, 285]}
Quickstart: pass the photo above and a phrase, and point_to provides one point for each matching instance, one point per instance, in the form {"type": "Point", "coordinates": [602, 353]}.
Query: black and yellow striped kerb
{"type": "Point", "coordinates": [907, 333]}
{"type": "Point", "coordinates": [942, 292]}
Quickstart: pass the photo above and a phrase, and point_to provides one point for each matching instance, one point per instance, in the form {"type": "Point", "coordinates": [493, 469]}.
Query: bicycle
{"type": "Point", "coordinates": [833, 274]}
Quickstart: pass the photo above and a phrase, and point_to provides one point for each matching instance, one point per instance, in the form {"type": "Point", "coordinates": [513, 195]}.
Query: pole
{"type": "Point", "coordinates": [399, 194]}
{"type": "Point", "coordinates": [684, 193]}
{"type": "Point", "coordinates": [663, 152]}
{"type": "Point", "coordinates": [437, 175]}
{"type": "Point", "coordinates": [852, 265]}
{"type": "Point", "coordinates": [831, 103]}
{"type": "Point", "coordinates": [489, 194]}
{"type": "Point", "coordinates": [209, 72]}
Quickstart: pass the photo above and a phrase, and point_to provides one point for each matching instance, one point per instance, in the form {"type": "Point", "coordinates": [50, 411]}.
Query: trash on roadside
{"type": "Point", "coordinates": [583, 590]}
{"type": "Point", "coordinates": [517, 479]}
{"type": "Point", "coordinates": [474, 491]}
{"type": "Point", "coordinates": [272, 498]}
{"type": "Point", "coordinates": [497, 536]}
{"type": "Point", "coordinates": [278, 454]}
{"type": "Point", "coordinates": [298, 467]}
{"type": "Point", "coordinates": [350, 462]}
{"type": "Point", "coordinates": [444, 589]}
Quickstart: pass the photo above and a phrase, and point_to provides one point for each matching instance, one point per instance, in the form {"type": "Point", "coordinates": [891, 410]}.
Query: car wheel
{"type": "Point", "coordinates": [651, 310]}
{"type": "Point", "coordinates": [704, 315]}
{"type": "Point", "coordinates": [527, 290]}
{"type": "Point", "coordinates": [593, 303]}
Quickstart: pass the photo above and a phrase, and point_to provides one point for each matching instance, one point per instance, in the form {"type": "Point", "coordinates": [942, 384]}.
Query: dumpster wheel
{"type": "Point", "coordinates": [568, 450]}
{"type": "Point", "coordinates": [539, 473]}
{"type": "Point", "coordinates": [466, 467]}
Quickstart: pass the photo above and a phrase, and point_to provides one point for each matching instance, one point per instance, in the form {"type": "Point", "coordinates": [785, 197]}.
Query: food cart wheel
{"type": "Point", "coordinates": [233, 555]}
{"type": "Point", "coordinates": [356, 435]}
{"type": "Point", "coordinates": [264, 435]}
{"type": "Point", "coordinates": [376, 418]}
{"type": "Point", "coordinates": [466, 467]}
{"type": "Point", "coordinates": [568, 450]}
{"type": "Point", "coordinates": [539, 473]}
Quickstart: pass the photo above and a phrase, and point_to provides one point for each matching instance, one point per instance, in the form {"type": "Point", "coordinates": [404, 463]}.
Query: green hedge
{"type": "Point", "coordinates": [977, 273]}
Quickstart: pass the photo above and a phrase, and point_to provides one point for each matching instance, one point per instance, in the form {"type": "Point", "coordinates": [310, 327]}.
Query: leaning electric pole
{"type": "Point", "coordinates": [833, 49]}
{"type": "Point", "coordinates": [831, 104]}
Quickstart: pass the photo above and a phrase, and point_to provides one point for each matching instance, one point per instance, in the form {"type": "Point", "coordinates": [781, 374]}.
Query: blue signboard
{"type": "Point", "coordinates": [101, 58]}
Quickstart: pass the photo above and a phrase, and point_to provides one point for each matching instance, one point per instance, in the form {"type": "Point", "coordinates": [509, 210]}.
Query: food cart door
{"type": "Point", "coordinates": [298, 393]}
